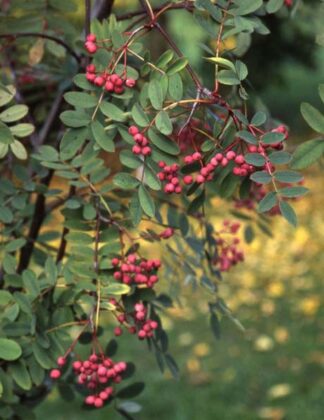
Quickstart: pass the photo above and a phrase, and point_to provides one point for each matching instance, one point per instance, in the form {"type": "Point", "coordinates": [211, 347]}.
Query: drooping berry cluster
{"type": "Point", "coordinates": [142, 144]}
{"type": "Point", "coordinates": [136, 270]}
{"type": "Point", "coordinates": [112, 83]}
{"type": "Point", "coordinates": [136, 322]}
{"type": "Point", "coordinates": [228, 253]}
{"type": "Point", "coordinates": [97, 374]}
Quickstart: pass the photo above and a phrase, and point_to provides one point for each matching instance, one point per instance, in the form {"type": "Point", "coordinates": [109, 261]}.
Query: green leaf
{"type": "Point", "coordinates": [228, 77]}
{"type": "Point", "coordinates": [241, 70]}
{"type": "Point", "coordinates": [262, 177]}
{"type": "Point", "coordinates": [135, 210]}
{"type": "Point", "coordinates": [259, 118]}
{"type": "Point", "coordinates": [129, 160]}
{"type": "Point", "coordinates": [307, 153]}
{"type": "Point", "coordinates": [280, 158]}
{"type": "Point", "coordinates": [9, 349]}
{"type": "Point", "coordinates": [112, 111]}
{"type": "Point", "coordinates": [139, 116]}
{"type": "Point", "coordinates": [177, 66]}
{"type": "Point", "coordinates": [20, 375]}
{"type": "Point", "coordinates": [31, 283]}
{"type": "Point", "coordinates": [7, 94]}
{"type": "Point", "coordinates": [247, 137]}
{"type": "Point", "coordinates": [268, 202]}
{"type": "Point", "coordinates": [6, 215]}
{"type": "Point", "coordinates": [131, 391]}
{"type": "Point", "coordinates": [14, 113]}
{"type": "Point", "coordinates": [288, 212]}
{"type": "Point", "coordinates": [15, 244]}
{"type": "Point", "coordinates": [274, 5]}
{"type": "Point", "coordinates": [163, 123]}
{"type": "Point", "coordinates": [293, 191]}
{"type": "Point", "coordinates": [272, 138]}
{"type": "Point", "coordinates": [151, 180]}
{"type": "Point", "coordinates": [155, 94]}
{"type": "Point", "coordinates": [288, 176]}
{"type": "Point", "coordinates": [164, 59]}
{"type": "Point", "coordinates": [163, 143]}
{"type": "Point", "coordinates": [222, 62]}
{"type": "Point", "coordinates": [18, 149]}
{"type": "Point", "coordinates": [313, 117]}
{"type": "Point", "coordinates": [175, 87]}
{"type": "Point", "coordinates": [246, 7]}
{"type": "Point", "coordinates": [4, 148]}
{"type": "Point", "coordinates": [42, 357]}
{"type": "Point", "coordinates": [116, 289]}
{"type": "Point", "coordinates": [81, 99]}
{"type": "Point", "coordinates": [101, 137]}
{"type": "Point", "coordinates": [125, 181]}
{"type": "Point", "coordinates": [75, 119]}
{"type": "Point", "coordinates": [6, 136]}
{"type": "Point", "coordinates": [146, 201]}
{"type": "Point", "coordinates": [255, 159]}
{"type": "Point", "coordinates": [22, 130]}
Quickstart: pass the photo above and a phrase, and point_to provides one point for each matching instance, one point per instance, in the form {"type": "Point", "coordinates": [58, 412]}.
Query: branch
{"type": "Point", "coordinates": [185, 5]}
{"type": "Point", "coordinates": [102, 9]}
{"type": "Point", "coordinates": [179, 53]}
{"type": "Point", "coordinates": [44, 36]}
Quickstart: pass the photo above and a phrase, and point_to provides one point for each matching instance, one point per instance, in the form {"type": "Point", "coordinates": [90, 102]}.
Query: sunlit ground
{"type": "Point", "coordinates": [272, 371]}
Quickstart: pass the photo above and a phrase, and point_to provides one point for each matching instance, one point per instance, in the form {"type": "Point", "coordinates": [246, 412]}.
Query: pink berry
{"type": "Point", "coordinates": [118, 331]}
{"type": "Point", "coordinates": [133, 130]}
{"type": "Point", "coordinates": [99, 81]}
{"type": "Point", "coordinates": [61, 361]}
{"type": "Point", "coordinates": [98, 402]}
{"type": "Point", "coordinates": [90, 399]}
{"type": "Point", "coordinates": [187, 179]}
{"type": "Point", "coordinates": [91, 38]}
{"type": "Point", "coordinates": [55, 373]}
{"type": "Point", "coordinates": [130, 83]}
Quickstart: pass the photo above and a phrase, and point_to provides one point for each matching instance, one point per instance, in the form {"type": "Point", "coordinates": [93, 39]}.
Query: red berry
{"type": "Point", "coordinates": [187, 179]}
{"type": "Point", "coordinates": [133, 130]}
{"type": "Point", "coordinates": [118, 331]}
{"type": "Point", "coordinates": [55, 373]}
{"type": "Point", "coordinates": [130, 83]}
{"type": "Point", "coordinates": [61, 361]}
{"type": "Point", "coordinates": [98, 402]}
{"type": "Point", "coordinates": [91, 38]}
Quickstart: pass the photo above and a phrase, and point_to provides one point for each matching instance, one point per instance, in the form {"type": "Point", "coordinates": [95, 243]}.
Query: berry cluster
{"type": "Point", "coordinates": [137, 322]}
{"type": "Point", "coordinates": [169, 175]}
{"type": "Point", "coordinates": [135, 270]}
{"type": "Point", "coordinates": [91, 43]}
{"type": "Point", "coordinates": [228, 254]}
{"type": "Point", "coordinates": [141, 147]}
{"type": "Point", "coordinates": [95, 373]}
{"type": "Point", "coordinates": [110, 82]}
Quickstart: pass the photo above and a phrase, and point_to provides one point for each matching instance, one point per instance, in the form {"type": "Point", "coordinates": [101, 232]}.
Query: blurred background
{"type": "Point", "coordinates": [273, 370]}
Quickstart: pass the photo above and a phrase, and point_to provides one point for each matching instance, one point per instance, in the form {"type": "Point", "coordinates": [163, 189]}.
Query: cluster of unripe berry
{"type": "Point", "coordinates": [136, 270]}
{"type": "Point", "coordinates": [142, 144]}
{"type": "Point", "coordinates": [110, 82]}
{"type": "Point", "coordinates": [228, 253]}
{"type": "Point", "coordinates": [95, 373]}
{"type": "Point", "coordinates": [137, 322]}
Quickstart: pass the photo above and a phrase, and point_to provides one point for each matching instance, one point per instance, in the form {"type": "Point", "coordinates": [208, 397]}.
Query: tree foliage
{"type": "Point", "coordinates": [121, 149]}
